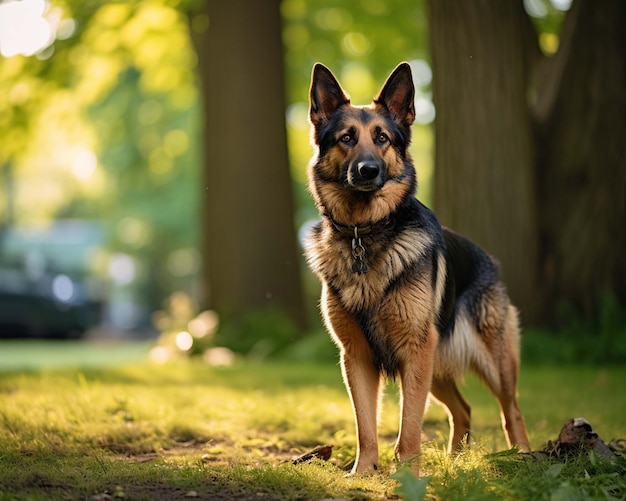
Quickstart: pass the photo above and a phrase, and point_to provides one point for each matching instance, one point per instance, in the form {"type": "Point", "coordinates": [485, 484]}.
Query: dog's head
{"type": "Point", "coordinates": [362, 158]}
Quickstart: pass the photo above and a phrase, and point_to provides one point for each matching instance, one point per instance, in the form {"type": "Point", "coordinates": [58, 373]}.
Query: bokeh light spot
{"type": "Point", "coordinates": [84, 164]}
{"type": "Point", "coordinates": [23, 28]}
{"type": "Point", "coordinates": [356, 44]}
{"type": "Point", "coordinates": [184, 341]}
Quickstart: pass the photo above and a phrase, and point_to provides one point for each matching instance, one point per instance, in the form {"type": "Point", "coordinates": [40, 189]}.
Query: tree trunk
{"type": "Point", "coordinates": [530, 151]}
{"type": "Point", "coordinates": [484, 152]}
{"type": "Point", "coordinates": [582, 161]}
{"type": "Point", "coordinates": [250, 246]}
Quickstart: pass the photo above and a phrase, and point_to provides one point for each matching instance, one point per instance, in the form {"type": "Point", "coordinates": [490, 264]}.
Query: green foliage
{"type": "Point", "coordinates": [362, 41]}
{"type": "Point", "coordinates": [315, 346]}
{"type": "Point", "coordinates": [411, 488]}
{"type": "Point", "coordinates": [599, 339]}
{"type": "Point", "coordinates": [259, 334]}
{"type": "Point", "coordinates": [581, 476]}
{"type": "Point", "coordinates": [105, 124]}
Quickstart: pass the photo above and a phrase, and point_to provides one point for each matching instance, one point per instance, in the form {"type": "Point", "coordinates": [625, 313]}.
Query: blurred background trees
{"type": "Point", "coordinates": [169, 130]}
{"type": "Point", "coordinates": [100, 125]}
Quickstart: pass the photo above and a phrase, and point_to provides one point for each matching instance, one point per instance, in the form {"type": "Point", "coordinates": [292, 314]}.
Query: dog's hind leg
{"type": "Point", "coordinates": [446, 392]}
{"type": "Point", "coordinates": [512, 420]}
{"type": "Point", "coordinates": [501, 378]}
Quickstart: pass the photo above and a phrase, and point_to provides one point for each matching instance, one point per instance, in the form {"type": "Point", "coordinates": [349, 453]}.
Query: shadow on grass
{"type": "Point", "coordinates": [138, 430]}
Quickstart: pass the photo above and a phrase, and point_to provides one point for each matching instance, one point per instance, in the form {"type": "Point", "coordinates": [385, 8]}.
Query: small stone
{"type": "Point", "coordinates": [101, 497]}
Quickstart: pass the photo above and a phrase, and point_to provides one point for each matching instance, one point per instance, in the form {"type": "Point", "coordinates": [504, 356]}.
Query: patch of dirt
{"type": "Point", "coordinates": [212, 490]}
{"type": "Point", "coordinates": [576, 436]}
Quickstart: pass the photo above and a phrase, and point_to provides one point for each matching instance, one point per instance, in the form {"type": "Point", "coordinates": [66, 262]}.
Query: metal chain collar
{"type": "Point", "coordinates": [358, 253]}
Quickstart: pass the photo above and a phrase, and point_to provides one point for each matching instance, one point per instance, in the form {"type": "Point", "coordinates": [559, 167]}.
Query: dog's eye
{"type": "Point", "coordinates": [382, 138]}
{"type": "Point", "coordinates": [346, 138]}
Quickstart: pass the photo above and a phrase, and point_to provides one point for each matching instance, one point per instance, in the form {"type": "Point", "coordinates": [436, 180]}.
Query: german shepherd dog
{"type": "Point", "coordinates": [401, 296]}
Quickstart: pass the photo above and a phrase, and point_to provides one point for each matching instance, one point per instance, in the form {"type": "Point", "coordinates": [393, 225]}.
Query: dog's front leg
{"type": "Point", "coordinates": [360, 375]}
{"type": "Point", "coordinates": [415, 379]}
{"type": "Point", "coordinates": [362, 380]}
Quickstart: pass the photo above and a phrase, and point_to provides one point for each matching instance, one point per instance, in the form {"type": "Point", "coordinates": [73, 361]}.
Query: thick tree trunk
{"type": "Point", "coordinates": [484, 151]}
{"type": "Point", "coordinates": [249, 236]}
{"type": "Point", "coordinates": [530, 151]}
{"type": "Point", "coordinates": [582, 159]}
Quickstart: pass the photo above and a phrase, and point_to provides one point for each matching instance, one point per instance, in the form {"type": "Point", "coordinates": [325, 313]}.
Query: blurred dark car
{"type": "Point", "coordinates": [46, 285]}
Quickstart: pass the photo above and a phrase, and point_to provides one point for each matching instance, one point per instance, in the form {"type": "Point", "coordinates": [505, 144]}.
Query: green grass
{"type": "Point", "coordinates": [31, 355]}
{"type": "Point", "coordinates": [143, 431]}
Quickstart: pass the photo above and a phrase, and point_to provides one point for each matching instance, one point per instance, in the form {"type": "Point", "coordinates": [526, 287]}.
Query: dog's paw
{"type": "Point", "coordinates": [363, 468]}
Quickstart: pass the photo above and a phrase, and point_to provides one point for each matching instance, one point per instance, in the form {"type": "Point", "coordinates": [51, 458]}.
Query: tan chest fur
{"type": "Point", "coordinates": [331, 258]}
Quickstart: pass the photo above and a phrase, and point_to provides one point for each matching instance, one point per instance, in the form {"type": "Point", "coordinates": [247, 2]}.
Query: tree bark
{"type": "Point", "coordinates": [250, 245]}
{"type": "Point", "coordinates": [582, 161]}
{"type": "Point", "coordinates": [484, 151]}
{"type": "Point", "coordinates": [530, 151]}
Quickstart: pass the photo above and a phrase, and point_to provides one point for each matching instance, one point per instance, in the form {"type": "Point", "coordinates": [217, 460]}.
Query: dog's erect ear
{"type": "Point", "coordinates": [326, 95]}
{"type": "Point", "coordinates": [398, 95]}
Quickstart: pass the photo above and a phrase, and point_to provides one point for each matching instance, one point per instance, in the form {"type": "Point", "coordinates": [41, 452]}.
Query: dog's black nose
{"type": "Point", "coordinates": [368, 169]}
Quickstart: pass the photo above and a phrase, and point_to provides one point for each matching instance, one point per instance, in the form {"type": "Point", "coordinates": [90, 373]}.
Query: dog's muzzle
{"type": "Point", "coordinates": [366, 175]}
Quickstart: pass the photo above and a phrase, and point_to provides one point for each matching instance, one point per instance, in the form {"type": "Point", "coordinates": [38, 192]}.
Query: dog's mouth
{"type": "Point", "coordinates": [365, 188]}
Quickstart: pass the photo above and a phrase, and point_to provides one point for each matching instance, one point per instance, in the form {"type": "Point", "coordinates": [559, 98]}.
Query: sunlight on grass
{"type": "Point", "coordinates": [29, 355]}
{"type": "Point", "coordinates": [231, 433]}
